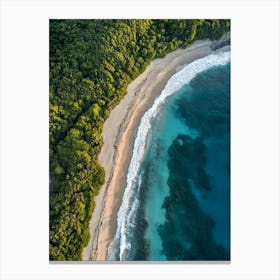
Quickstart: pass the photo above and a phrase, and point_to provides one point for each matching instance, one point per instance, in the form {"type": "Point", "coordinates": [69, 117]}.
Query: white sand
{"type": "Point", "coordinates": [119, 134]}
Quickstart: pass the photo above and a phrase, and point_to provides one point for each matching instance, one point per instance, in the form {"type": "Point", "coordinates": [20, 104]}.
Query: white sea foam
{"type": "Point", "coordinates": [130, 202]}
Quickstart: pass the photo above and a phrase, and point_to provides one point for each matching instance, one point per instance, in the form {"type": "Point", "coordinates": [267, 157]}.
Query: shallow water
{"type": "Point", "coordinates": [198, 206]}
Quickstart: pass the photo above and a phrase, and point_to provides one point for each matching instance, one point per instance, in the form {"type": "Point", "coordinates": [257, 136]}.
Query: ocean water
{"type": "Point", "coordinates": [176, 204]}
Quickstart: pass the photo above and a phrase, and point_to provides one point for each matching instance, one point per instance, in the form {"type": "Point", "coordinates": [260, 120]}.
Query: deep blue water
{"type": "Point", "coordinates": [183, 199]}
{"type": "Point", "coordinates": [190, 153]}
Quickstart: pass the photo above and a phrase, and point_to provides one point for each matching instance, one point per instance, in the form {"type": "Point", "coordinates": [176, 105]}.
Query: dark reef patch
{"type": "Point", "coordinates": [187, 234]}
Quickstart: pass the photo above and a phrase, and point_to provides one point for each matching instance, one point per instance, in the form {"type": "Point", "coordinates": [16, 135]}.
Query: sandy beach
{"type": "Point", "coordinates": [119, 134]}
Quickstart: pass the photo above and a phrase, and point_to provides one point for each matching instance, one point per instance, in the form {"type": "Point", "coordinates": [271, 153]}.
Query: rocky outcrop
{"type": "Point", "coordinates": [224, 41]}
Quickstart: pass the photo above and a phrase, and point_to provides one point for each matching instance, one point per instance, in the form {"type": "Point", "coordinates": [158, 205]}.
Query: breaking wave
{"type": "Point", "coordinates": [120, 247]}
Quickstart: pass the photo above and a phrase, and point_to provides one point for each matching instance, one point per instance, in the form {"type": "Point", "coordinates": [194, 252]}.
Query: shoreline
{"type": "Point", "coordinates": [119, 134]}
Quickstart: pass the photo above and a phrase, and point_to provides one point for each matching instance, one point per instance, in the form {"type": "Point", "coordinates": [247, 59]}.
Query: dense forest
{"type": "Point", "coordinates": [91, 64]}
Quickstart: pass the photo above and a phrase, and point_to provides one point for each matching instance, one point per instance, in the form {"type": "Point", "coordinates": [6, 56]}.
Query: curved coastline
{"type": "Point", "coordinates": [119, 135]}
{"type": "Point", "coordinates": [130, 202]}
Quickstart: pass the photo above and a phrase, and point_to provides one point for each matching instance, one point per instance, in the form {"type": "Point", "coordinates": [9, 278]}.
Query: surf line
{"type": "Point", "coordinates": [126, 217]}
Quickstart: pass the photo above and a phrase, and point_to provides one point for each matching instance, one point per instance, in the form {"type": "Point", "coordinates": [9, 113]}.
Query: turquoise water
{"type": "Point", "coordinates": [155, 169]}
{"type": "Point", "coordinates": [176, 204]}
{"type": "Point", "coordinates": [198, 205]}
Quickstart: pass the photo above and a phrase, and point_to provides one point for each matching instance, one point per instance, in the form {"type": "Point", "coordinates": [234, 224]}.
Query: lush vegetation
{"type": "Point", "coordinates": [91, 64]}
